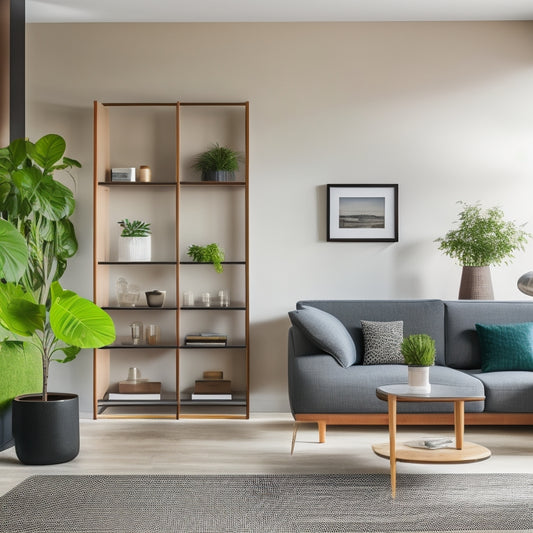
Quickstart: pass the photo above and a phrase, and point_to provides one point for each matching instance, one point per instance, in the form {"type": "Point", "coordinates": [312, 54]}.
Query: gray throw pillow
{"type": "Point", "coordinates": [327, 332]}
{"type": "Point", "coordinates": [382, 342]}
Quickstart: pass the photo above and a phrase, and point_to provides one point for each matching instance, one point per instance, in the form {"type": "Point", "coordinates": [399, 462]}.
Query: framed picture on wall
{"type": "Point", "coordinates": [363, 213]}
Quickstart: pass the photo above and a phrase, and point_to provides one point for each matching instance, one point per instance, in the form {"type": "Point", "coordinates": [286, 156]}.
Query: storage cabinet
{"type": "Point", "coordinates": [183, 210]}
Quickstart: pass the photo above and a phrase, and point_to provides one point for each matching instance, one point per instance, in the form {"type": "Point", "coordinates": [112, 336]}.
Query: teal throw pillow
{"type": "Point", "coordinates": [327, 332]}
{"type": "Point", "coordinates": [506, 346]}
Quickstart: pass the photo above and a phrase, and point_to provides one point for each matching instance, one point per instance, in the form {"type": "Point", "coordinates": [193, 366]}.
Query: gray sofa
{"type": "Point", "coordinates": [326, 391]}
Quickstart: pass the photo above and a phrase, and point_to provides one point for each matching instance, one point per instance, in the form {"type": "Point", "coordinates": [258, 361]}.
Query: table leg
{"type": "Point", "coordinates": [459, 422]}
{"type": "Point", "coordinates": [392, 442]}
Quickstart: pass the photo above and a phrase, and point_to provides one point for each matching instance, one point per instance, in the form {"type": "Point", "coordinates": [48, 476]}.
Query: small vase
{"type": "Point", "coordinates": [418, 379]}
{"type": "Point", "coordinates": [135, 248]}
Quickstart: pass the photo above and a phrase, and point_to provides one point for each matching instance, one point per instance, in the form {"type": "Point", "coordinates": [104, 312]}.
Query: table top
{"type": "Point", "coordinates": [439, 393]}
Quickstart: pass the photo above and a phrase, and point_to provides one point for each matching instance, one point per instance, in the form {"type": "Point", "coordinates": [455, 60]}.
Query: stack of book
{"type": "Point", "coordinates": [206, 339]}
{"type": "Point", "coordinates": [212, 388]}
{"type": "Point", "coordinates": [137, 390]}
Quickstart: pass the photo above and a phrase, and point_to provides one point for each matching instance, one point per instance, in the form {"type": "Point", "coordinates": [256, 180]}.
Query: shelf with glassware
{"type": "Point", "coordinates": [136, 179]}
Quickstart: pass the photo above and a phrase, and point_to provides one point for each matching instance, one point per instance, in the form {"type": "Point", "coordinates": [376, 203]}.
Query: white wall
{"type": "Point", "coordinates": [442, 109]}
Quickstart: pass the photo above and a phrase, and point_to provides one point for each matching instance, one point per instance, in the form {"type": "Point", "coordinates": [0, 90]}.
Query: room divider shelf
{"type": "Point", "coordinates": [183, 210]}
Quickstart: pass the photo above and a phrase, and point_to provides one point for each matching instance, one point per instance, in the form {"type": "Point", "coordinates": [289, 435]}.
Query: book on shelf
{"type": "Point", "coordinates": [201, 396]}
{"type": "Point", "coordinates": [139, 387]}
{"type": "Point", "coordinates": [206, 339]}
{"type": "Point", "coordinates": [212, 386]}
{"type": "Point", "coordinates": [133, 396]}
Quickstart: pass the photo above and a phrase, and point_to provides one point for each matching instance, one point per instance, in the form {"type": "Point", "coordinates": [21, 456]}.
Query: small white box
{"type": "Point", "coordinates": [123, 174]}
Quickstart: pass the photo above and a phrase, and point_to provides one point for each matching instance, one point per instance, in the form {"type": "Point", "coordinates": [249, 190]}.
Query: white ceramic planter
{"type": "Point", "coordinates": [135, 248]}
{"type": "Point", "coordinates": [418, 379]}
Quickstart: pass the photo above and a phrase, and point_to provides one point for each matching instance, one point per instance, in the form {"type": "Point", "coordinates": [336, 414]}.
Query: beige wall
{"type": "Point", "coordinates": [442, 109]}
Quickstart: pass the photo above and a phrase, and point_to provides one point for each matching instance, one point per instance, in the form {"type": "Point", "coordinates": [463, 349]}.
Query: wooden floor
{"type": "Point", "coordinates": [259, 445]}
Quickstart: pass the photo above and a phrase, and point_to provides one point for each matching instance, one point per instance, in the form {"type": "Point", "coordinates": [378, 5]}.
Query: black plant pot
{"type": "Point", "coordinates": [218, 175]}
{"type": "Point", "coordinates": [46, 432]}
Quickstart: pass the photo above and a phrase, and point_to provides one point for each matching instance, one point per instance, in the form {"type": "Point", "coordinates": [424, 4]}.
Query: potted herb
{"type": "Point", "coordinates": [419, 353]}
{"type": "Point", "coordinates": [482, 239]}
{"type": "Point", "coordinates": [219, 163]}
{"type": "Point", "coordinates": [36, 314]}
{"type": "Point", "coordinates": [135, 241]}
{"type": "Point", "coordinates": [210, 253]}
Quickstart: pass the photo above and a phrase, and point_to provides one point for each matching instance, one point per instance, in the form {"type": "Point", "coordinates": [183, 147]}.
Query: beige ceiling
{"type": "Point", "coordinates": [274, 10]}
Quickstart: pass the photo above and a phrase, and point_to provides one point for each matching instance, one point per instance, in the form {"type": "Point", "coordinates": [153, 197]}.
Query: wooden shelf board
{"type": "Point", "coordinates": [137, 184]}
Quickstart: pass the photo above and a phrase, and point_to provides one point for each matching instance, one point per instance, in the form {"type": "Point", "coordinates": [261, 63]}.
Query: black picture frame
{"type": "Point", "coordinates": [362, 212]}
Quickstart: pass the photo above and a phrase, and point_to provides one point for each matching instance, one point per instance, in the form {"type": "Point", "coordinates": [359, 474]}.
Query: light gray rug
{"type": "Point", "coordinates": [268, 503]}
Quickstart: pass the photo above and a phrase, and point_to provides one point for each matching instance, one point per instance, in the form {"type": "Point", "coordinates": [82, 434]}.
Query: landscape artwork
{"type": "Point", "coordinates": [358, 213]}
{"type": "Point", "coordinates": [362, 212]}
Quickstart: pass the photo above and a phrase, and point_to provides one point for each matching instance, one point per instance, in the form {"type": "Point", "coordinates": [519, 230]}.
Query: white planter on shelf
{"type": "Point", "coordinates": [418, 379]}
{"type": "Point", "coordinates": [135, 248]}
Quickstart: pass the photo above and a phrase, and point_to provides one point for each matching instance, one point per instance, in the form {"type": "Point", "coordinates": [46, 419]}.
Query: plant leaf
{"type": "Point", "coordinates": [47, 150]}
{"type": "Point", "coordinates": [70, 354]}
{"type": "Point", "coordinates": [18, 312]}
{"type": "Point", "coordinates": [13, 252]}
{"type": "Point", "coordinates": [78, 321]}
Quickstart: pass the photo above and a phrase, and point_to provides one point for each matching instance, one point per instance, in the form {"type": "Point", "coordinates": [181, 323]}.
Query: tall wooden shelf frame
{"type": "Point", "coordinates": [178, 190]}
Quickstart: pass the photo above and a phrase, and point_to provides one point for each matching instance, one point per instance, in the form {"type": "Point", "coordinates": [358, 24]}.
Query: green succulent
{"type": "Point", "coordinates": [217, 158]}
{"type": "Point", "coordinates": [419, 350]}
{"type": "Point", "coordinates": [210, 253]}
{"type": "Point", "coordinates": [134, 228]}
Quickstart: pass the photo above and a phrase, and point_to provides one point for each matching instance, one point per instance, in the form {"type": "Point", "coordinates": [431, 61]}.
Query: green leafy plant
{"type": "Point", "coordinates": [483, 237]}
{"type": "Point", "coordinates": [36, 239]}
{"type": "Point", "coordinates": [134, 228]}
{"type": "Point", "coordinates": [418, 350]}
{"type": "Point", "coordinates": [217, 158]}
{"type": "Point", "coordinates": [210, 253]}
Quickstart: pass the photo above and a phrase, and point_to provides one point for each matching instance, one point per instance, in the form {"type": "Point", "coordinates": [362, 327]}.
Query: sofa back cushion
{"type": "Point", "coordinates": [462, 342]}
{"type": "Point", "coordinates": [418, 316]}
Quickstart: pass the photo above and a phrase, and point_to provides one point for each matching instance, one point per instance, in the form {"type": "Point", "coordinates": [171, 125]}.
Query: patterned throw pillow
{"type": "Point", "coordinates": [382, 342]}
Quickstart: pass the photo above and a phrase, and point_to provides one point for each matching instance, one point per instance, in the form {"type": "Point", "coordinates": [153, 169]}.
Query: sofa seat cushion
{"type": "Point", "coordinates": [317, 384]}
{"type": "Point", "coordinates": [506, 392]}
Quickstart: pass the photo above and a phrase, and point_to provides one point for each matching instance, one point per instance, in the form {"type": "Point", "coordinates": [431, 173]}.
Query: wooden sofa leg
{"type": "Point", "coordinates": [321, 431]}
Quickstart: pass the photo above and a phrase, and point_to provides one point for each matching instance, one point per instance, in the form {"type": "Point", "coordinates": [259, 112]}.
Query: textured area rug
{"type": "Point", "coordinates": [269, 503]}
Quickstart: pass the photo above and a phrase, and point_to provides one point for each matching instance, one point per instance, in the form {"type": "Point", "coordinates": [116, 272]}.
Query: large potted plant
{"type": "Point", "coordinates": [482, 239]}
{"type": "Point", "coordinates": [36, 314]}
{"type": "Point", "coordinates": [219, 163]}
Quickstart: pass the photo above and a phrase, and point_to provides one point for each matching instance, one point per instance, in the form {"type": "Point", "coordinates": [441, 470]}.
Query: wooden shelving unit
{"type": "Point", "coordinates": [182, 210]}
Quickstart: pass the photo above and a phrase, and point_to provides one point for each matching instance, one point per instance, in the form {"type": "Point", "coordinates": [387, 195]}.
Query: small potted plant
{"type": "Point", "coordinates": [418, 351]}
{"type": "Point", "coordinates": [135, 241]}
{"type": "Point", "coordinates": [219, 163]}
{"type": "Point", "coordinates": [210, 253]}
{"type": "Point", "coordinates": [482, 239]}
